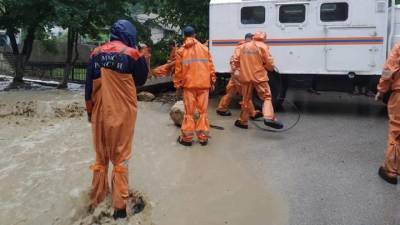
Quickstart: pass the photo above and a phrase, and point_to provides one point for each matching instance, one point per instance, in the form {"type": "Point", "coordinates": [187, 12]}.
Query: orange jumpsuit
{"type": "Point", "coordinates": [168, 68]}
{"type": "Point", "coordinates": [390, 80]}
{"type": "Point", "coordinates": [254, 61]}
{"type": "Point", "coordinates": [114, 71]}
{"type": "Point", "coordinates": [233, 88]}
{"type": "Point", "coordinates": [194, 72]}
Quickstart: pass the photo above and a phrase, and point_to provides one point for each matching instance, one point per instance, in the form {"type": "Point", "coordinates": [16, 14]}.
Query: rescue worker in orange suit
{"type": "Point", "coordinates": [233, 87]}
{"type": "Point", "coordinates": [390, 80]}
{"type": "Point", "coordinates": [114, 71]}
{"type": "Point", "coordinates": [194, 77]}
{"type": "Point", "coordinates": [254, 60]}
{"type": "Point", "coordinates": [168, 68]}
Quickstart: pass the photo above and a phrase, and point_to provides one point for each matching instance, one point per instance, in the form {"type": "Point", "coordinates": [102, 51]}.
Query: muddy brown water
{"type": "Point", "coordinates": [46, 150]}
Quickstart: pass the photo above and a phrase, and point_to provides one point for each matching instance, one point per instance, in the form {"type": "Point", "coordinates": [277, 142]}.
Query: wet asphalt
{"type": "Point", "coordinates": [321, 172]}
{"type": "Point", "coordinates": [325, 168]}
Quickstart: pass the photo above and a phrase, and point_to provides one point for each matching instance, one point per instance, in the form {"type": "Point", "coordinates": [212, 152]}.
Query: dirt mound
{"type": "Point", "coordinates": [145, 96]}
{"type": "Point", "coordinates": [167, 98]}
{"type": "Point", "coordinates": [69, 110]}
{"type": "Point", "coordinates": [42, 109]}
{"type": "Point", "coordinates": [25, 109]}
{"type": "Point", "coordinates": [103, 213]}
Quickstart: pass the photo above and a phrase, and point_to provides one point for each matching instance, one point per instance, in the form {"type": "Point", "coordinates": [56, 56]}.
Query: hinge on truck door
{"type": "Point", "coordinates": [381, 7]}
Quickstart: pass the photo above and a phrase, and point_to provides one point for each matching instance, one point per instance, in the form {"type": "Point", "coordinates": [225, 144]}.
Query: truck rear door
{"type": "Point", "coordinates": [350, 46]}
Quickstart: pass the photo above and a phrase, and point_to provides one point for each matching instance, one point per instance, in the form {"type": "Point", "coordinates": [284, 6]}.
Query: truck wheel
{"type": "Point", "coordinates": [386, 97]}
{"type": "Point", "coordinates": [278, 85]}
{"type": "Point", "coordinates": [220, 85]}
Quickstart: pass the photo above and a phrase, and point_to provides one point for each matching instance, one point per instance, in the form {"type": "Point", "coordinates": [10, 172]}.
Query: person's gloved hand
{"type": "Point", "coordinates": [379, 96]}
{"type": "Point", "coordinates": [89, 117]}
{"type": "Point", "coordinates": [145, 51]}
{"type": "Point", "coordinates": [212, 88]}
{"type": "Point", "coordinates": [179, 92]}
{"type": "Point", "coordinates": [236, 74]}
{"type": "Point", "coordinates": [151, 76]}
{"type": "Point", "coordinates": [89, 109]}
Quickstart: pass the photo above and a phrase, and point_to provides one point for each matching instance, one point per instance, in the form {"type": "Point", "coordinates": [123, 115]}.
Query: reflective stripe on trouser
{"type": "Point", "coordinates": [392, 159]}
{"type": "Point", "coordinates": [232, 89]}
{"type": "Point", "coordinates": [195, 99]}
{"type": "Point", "coordinates": [264, 93]}
{"type": "Point", "coordinates": [113, 122]}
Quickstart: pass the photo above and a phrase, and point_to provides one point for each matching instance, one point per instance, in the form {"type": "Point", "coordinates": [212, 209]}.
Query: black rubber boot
{"type": "Point", "coordinates": [119, 214]}
{"type": "Point", "coordinates": [258, 115]}
{"type": "Point", "coordinates": [227, 113]}
{"type": "Point", "coordinates": [382, 173]}
{"type": "Point", "coordinates": [273, 123]}
{"type": "Point", "coordinates": [240, 125]}
{"type": "Point", "coordinates": [184, 143]}
{"type": "Point", "coordinates": [139, 206]}
{"type": "Point", "coordinates": [203, 143]}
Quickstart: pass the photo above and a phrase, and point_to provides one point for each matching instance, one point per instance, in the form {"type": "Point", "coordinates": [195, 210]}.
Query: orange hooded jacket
{"type": "Point", "coordinates": [172, 54]}
{"type": "Point", "coordinates": [254, 59]}
{"type": "Point", "coordinates": [194, 67]}
{"type": "Point", "coordinates": [235, 55]}
{"type": "Point", "coordinates": [390, 78]}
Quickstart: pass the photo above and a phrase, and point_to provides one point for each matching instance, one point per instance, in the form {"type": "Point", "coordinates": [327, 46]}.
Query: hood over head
{"type": "Point", "coordinates": [260, 36]}
{"type": "Point", "coordinates": [189, 42]}
{"type": "Point", "coordinates": [248, 36]}
{"type": "Point", "coordinates": [188, 31]}
{"type": "Point", "coordinates": [124, 31]}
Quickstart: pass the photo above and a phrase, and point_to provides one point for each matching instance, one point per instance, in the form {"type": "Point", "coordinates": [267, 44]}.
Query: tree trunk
{"type": "Point", "coordinates": [76, 48]}
{"type": "Point", "coordinates": [23, 57]}
{"type": "Point", "coordinates": [13, 40]}
{"type": "Point", "coordinates": [76, 51]}
{"type": "Point", "coordinates": [28, 44]}
{"type": "Point", "coordinates": [17, 57]}
{"type": "Point", "coordinates": [68, 61]}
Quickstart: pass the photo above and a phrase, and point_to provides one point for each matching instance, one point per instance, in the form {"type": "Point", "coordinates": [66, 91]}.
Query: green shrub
{"type": "Point", "coordinates": [50, 46]}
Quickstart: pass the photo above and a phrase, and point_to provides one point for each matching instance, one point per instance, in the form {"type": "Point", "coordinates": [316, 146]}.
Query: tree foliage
{"type": "Point", "coordinates": [85, 18]}
{"type": "Point", "coordinates": [81, 18]}
{"type": "Point", "coordinates": [180, 13]}
{"type": "Point", "coordinates": [30, 16]}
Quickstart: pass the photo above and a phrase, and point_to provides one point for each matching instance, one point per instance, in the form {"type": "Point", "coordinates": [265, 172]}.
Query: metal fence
{"type": "Point", "coordinates": [6, 63]}
{"type": "Point", "coordinates": [55, 71]}
{"type": "Point", "coordinates": [42, 70]}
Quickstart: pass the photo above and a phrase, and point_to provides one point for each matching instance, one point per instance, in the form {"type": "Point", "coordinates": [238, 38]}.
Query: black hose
{"type": "Point", "coordinates": [217, 127]}
{"type": "Point", "coordinates": [283, 100]}
{"type": "Point", "coordinates": [279, 131]}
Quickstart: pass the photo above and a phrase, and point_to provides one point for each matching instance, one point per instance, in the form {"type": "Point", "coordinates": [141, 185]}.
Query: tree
{"type": "Point", "coordinates": [181, 13]}
{"type": "Point", "coordinates": [18, 15]}
{"type": "Point", "coordinates": [85, 18]}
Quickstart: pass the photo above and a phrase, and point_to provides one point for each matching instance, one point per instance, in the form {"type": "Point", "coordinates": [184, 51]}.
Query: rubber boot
{"type": "Point", "coordinates": [184, 143]}
{"type": "Point", "coordinates": [383, 174]}
{"type": "Point", "coordinates": [227, 113]}
{"type": "Point", "coordinates": [119, 214]}
{"type": "Point", "coordinates": [240, 125]}
{"type": "Point", "coordinates": [273, 123]}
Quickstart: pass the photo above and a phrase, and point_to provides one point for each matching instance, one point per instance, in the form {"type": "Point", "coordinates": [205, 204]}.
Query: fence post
{"type": "Point", "coordinates": [73, 73]}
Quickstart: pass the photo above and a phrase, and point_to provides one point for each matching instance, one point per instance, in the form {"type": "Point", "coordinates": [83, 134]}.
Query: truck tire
{"type": "Point", "coordinates": [220, 85]}
{"type": "Point", "coordinates": [386, 97]}
{"type": "Point", "coordinates": [278, 86]}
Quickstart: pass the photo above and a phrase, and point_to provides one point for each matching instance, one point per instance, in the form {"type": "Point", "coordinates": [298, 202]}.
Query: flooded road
{"type": "Point", "coordinates": [323, 171]}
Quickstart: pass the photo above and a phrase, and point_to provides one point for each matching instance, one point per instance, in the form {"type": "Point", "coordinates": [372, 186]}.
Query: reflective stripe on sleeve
{"type": "Point", "coordinates": [190, 61]}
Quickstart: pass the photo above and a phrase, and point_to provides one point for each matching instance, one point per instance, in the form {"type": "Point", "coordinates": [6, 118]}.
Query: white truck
{"type": "Point", "coordinates": [335, 38]}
